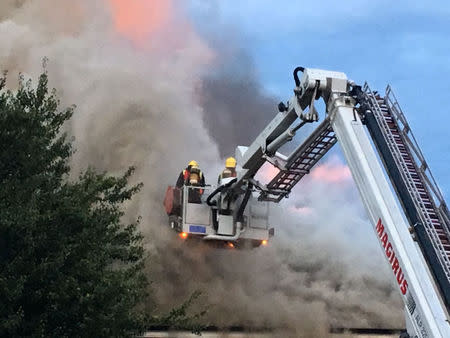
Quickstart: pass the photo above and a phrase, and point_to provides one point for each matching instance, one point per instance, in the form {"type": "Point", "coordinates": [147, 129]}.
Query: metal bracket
{"type": "Point", "coordinates": [275, 162]}
{"type": "Point", "coordinates": [258, 185]}
{"type": "Point", "coordinates": [312, 115]}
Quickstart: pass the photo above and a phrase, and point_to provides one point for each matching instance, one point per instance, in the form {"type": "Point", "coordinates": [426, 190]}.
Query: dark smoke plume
{"type": "Point", "coordinates": [236, 108]}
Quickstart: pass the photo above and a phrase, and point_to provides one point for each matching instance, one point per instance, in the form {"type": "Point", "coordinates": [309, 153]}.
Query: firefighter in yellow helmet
{"type": "Point", "coordinates": [230, 169]}
{"type": "Point", "coordinates": [192, 175]}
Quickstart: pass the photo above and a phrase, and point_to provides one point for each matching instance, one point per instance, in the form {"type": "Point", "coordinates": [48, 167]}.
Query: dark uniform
{"type": "Point", "coordinates": [192, 176]}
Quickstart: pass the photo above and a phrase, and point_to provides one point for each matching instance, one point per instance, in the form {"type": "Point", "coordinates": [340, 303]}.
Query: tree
{"type": "Point", "coordinates": [68, 266]}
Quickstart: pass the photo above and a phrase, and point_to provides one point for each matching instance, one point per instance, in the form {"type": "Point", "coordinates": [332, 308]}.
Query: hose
{"type": "Point", "coordinates": [240, 213]}
{"type": "Point", "coordinates": [218, 189]}
{"type": "Point", "coordinates": [296, 79]}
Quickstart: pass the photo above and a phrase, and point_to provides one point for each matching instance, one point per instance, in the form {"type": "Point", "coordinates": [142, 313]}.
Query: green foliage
{"type": "Point", "coordinates": [180, 318]}
{"type": "Point", "coordinates": [68, 266]}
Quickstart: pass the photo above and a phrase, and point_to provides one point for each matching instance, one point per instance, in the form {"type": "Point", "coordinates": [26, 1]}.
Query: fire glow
{"type": "Point", "coordinates": [137, 20]}
{"type": "Point", "coordinates": [331, 173]}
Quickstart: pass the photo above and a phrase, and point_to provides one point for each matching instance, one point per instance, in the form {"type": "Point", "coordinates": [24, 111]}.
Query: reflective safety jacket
{"type": "Point", "coordinates": [191, 176]}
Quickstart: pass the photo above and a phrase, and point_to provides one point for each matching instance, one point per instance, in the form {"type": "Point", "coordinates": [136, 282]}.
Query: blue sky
{"type": "Point", "coordinates": [402, 43]}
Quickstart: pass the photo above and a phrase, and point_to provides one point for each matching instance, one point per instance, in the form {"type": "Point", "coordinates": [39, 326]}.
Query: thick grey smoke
{"type": "Point", "coordinates": [139, 105]}
{"type": "Point", "coordinates": [236, 107]}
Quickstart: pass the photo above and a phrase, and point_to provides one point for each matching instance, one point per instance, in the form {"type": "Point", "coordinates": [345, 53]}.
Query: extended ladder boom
{"type": "Point", "coordinates": [421, 199]}
{"type": "Point", "coordinates": [416, 247]}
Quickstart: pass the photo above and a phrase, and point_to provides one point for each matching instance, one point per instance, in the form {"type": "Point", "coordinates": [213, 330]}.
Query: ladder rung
{"type": "Point", "coordinates": [396, 133]}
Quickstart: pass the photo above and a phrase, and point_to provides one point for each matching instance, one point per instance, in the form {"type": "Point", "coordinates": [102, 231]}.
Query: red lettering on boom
{"type": "Point", "coordinates": [404, 287]}
{"type": "Point", "coordinates": [384, 240]}
{"type": "Point", "coordinates": [389, 250]}
{"type": "Point", "coordinates": [395, 266]}
{"type": "Point", "coordinates": [400, 276]}
{"type": "Point", "coordinates": [380, 228]}
{"type": "Point", "coordinates": [392, 257]}
{"type": "Point", "coordinates": [390, 254]}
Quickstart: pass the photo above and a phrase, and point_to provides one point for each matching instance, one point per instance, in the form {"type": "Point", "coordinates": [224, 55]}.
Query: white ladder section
{"type": "Point", "coordinates": [422, 305]}
{"type": "Point", "coordinates": [300, 162]}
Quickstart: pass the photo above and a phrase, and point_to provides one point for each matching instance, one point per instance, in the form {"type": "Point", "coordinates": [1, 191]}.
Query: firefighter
{"type": "Point", "coordinates": [192, 175]}
{"type": "Point", "coordinates": [230, 169]}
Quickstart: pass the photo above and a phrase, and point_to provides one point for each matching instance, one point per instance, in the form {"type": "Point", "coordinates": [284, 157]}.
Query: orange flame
{"type": "Point", "coordinates": [139, 19]}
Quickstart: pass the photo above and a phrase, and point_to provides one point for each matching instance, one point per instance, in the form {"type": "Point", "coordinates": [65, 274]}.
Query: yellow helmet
{"type": "Point", "coordinates": [230, 162]}
{"type": "Point", "coordinates": [193, 163]}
